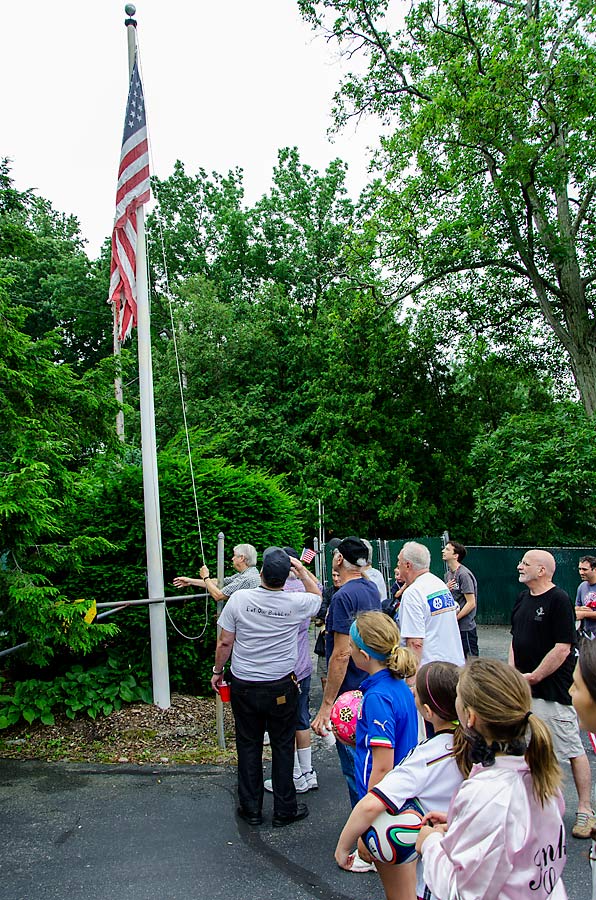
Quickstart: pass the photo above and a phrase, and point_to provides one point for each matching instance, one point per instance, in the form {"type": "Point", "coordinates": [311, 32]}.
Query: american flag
{"type": "Point", "coordinates": [132, 192]}
{"type": "Point", "coordinates": [307, 555]}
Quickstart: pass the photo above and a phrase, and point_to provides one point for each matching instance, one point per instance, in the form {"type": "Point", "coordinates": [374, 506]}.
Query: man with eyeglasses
{"type": "Point", "coordinates": [247, 575]}
{"type": "Point", "coordinates": [543, 648]}
{"type": "Point", "coordinates": [585, 598]}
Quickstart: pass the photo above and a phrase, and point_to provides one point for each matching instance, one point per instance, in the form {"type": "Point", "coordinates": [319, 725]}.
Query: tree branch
{"type": "Point", "coordinates": [564, 30]}
{"type": "Point", "coordinates": [471, 40]}
{"type": "Point", "coordinates": [501, 263]}
{"type": "Point", "coordinates": [380, 45]}
{"type": "Point", "coordinates": [583, 209]}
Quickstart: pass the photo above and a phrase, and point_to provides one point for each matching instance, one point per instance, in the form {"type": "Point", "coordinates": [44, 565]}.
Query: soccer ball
{"type": "Point", "coordinates": [344, 715]}
{"type": "Point", "coordinates": [392, 838]}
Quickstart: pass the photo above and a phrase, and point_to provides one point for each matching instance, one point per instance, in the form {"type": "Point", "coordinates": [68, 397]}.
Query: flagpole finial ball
{"type": "Point", "coordinates": [129, 9]}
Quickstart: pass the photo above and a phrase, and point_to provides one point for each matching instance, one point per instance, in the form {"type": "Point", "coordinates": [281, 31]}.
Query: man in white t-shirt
{"type": "Point", "coordinates": [428, 612]}
{"type": "Point", "coordinates": [259, 629]}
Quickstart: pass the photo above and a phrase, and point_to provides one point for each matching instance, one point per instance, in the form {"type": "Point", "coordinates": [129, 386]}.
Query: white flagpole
{"type": "Point", "coordinates": [155, 586]}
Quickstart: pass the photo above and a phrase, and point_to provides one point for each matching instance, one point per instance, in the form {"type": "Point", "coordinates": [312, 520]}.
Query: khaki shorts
{"type": "Point", "coordinates": [563, 726]}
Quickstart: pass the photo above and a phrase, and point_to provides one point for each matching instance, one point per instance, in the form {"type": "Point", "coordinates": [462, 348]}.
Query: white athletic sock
{"type": "Point", "coordinates": [304, 759]}
{"type": "Point", "coordinates": [297, 769]}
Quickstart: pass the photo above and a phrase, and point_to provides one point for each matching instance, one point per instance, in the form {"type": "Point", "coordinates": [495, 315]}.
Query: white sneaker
{"type": "Point", "coordinates": [359, 865]}
{"type": "Point", "coordinates": [299, 783]}
{"type": "Point", "coordinates": [311, 780]}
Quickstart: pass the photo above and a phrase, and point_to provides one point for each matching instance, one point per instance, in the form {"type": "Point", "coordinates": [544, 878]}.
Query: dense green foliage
{"type": "Point", "coordinates": [374, 415]}
{"type": "Point", "coordinates": [53, 420]}
{"type": "Point", "coordinates": [535, 471]}
{"type": "Point", "coordinates": [95, 691]}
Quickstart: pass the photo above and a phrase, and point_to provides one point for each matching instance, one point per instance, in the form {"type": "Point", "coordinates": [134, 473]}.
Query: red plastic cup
{"type": "Point", "coordinates": [224, 692]}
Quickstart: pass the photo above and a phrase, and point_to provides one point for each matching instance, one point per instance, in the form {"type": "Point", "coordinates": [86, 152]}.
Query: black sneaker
{"type": "Point", "coordinates": [280, 820]}
{"type": "Point", "coordinates": [250, 817]}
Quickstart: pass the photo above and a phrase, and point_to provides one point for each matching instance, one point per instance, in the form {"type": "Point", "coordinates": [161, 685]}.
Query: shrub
{"type": "Point", "coordinates": [96, 691]}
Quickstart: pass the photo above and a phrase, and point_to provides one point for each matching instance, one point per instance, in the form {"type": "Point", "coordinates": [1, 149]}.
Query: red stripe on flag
{"type": "Point", "coordinates": [137, 151]}
{"type": "Point", "coordinates": [131, 184]}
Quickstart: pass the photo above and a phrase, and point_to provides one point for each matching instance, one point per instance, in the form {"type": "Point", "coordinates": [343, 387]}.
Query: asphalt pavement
{"type": "Point", "coordinates": [74, 831]}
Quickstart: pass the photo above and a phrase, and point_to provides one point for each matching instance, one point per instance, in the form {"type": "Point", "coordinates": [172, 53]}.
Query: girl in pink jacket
{"type": "Point", "coordinates": [504, 837]}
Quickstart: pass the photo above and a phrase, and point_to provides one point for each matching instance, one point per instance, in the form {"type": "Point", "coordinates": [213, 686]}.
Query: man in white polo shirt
{"type": "Point", "coordinates": [259, 629]}
{"type": "Point", "coordinates": [428, 612]}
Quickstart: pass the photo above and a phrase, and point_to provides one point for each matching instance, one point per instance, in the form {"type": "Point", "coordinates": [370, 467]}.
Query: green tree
{"type": "Point", "coordinates": [53, 420]}
{"type": "Point", "coordinates": [302, 228]}
{"type": "Point", "coordinates": [200, 228]}
{"type": "Point", "coordinates": [533, 476]}
{"type": "Point", "coordinates": [490, 166]}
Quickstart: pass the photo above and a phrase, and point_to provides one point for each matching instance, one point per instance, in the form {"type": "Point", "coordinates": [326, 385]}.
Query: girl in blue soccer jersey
{"type": "Point", "coordinates": [432, 773]}
{"type": "Point", "coordinates": [387, 726]}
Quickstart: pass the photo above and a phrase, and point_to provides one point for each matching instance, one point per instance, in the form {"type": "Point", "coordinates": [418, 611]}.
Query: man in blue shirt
{"type": "Point", "coordinates": [356, 594]}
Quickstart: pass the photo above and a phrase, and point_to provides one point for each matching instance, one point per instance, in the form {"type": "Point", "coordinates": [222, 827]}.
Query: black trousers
{"type": "Point", "coordinates": [469, 642]}
{"type": "Point", "coordinates": [261, 706]}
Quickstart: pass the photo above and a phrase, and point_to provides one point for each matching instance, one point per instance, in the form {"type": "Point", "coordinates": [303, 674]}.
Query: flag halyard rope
{"type": "Point", "coordinates": [180, 382]}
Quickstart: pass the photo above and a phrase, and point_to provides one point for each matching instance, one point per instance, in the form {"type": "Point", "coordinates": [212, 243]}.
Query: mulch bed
{"type": "Point", "coordinates": [137, 733]}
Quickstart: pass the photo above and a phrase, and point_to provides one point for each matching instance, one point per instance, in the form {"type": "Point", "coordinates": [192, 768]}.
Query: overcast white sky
{"type": "Point", "coordinates": [227, 83]}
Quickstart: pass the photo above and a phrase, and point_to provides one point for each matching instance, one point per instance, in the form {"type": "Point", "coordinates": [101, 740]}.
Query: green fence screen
{"type": "Point", "coordinates": [495, 569]}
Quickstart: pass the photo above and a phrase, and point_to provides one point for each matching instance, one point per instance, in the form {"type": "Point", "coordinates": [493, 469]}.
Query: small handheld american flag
{"type": "Point", "coordinates": [307, 555]}
{"type": "Point", "coordinates": [132, 192]}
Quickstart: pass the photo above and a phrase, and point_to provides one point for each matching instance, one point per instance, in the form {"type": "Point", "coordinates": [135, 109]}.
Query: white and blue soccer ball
{"type": "Point", "coordinates": [392, 838]}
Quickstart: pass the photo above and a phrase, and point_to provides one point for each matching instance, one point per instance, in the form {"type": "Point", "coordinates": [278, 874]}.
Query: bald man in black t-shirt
{"type": "Point", "coordinates": [544, 650]}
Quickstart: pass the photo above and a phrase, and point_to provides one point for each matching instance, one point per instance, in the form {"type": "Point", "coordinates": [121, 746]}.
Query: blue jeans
{"type": "Point", "coordinates": [346, 760]}
{"type": "Point", "coordinates": [303, 713]}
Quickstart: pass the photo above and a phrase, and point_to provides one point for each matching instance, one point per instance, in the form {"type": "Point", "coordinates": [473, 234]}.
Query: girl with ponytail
{"type": "Point", "coordinates": [387, 725]}
{"type": "Point", "coordinates": [431, 773]}
{"type": "Point", "coordinates": [504, 835]}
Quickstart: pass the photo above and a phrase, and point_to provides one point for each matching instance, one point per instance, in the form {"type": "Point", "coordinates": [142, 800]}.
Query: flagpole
{"type": "Point", "coordinates": [155, 583]}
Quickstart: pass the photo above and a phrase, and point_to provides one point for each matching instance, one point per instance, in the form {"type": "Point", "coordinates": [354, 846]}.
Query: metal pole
{"type": "Point", "coordinates": [219, 717]}
{"type": "Point", "coordinates": [321, 522]}
{"type": "Point", "coordinates": [444, 542]}
{"type": "Point", "coordinates": [381, 565]}
{"type": "Point", "coordinates": [157, 611]}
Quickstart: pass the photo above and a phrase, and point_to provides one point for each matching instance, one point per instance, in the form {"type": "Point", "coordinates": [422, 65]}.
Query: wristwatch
{"type": "Point", "coordinates": [216, 671]}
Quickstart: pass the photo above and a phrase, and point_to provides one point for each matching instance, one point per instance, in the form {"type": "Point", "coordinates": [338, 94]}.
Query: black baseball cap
{"type": "Point", "coordinates": [276, 566]}
{"type": "Point", "coordinates": [352, 549]}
